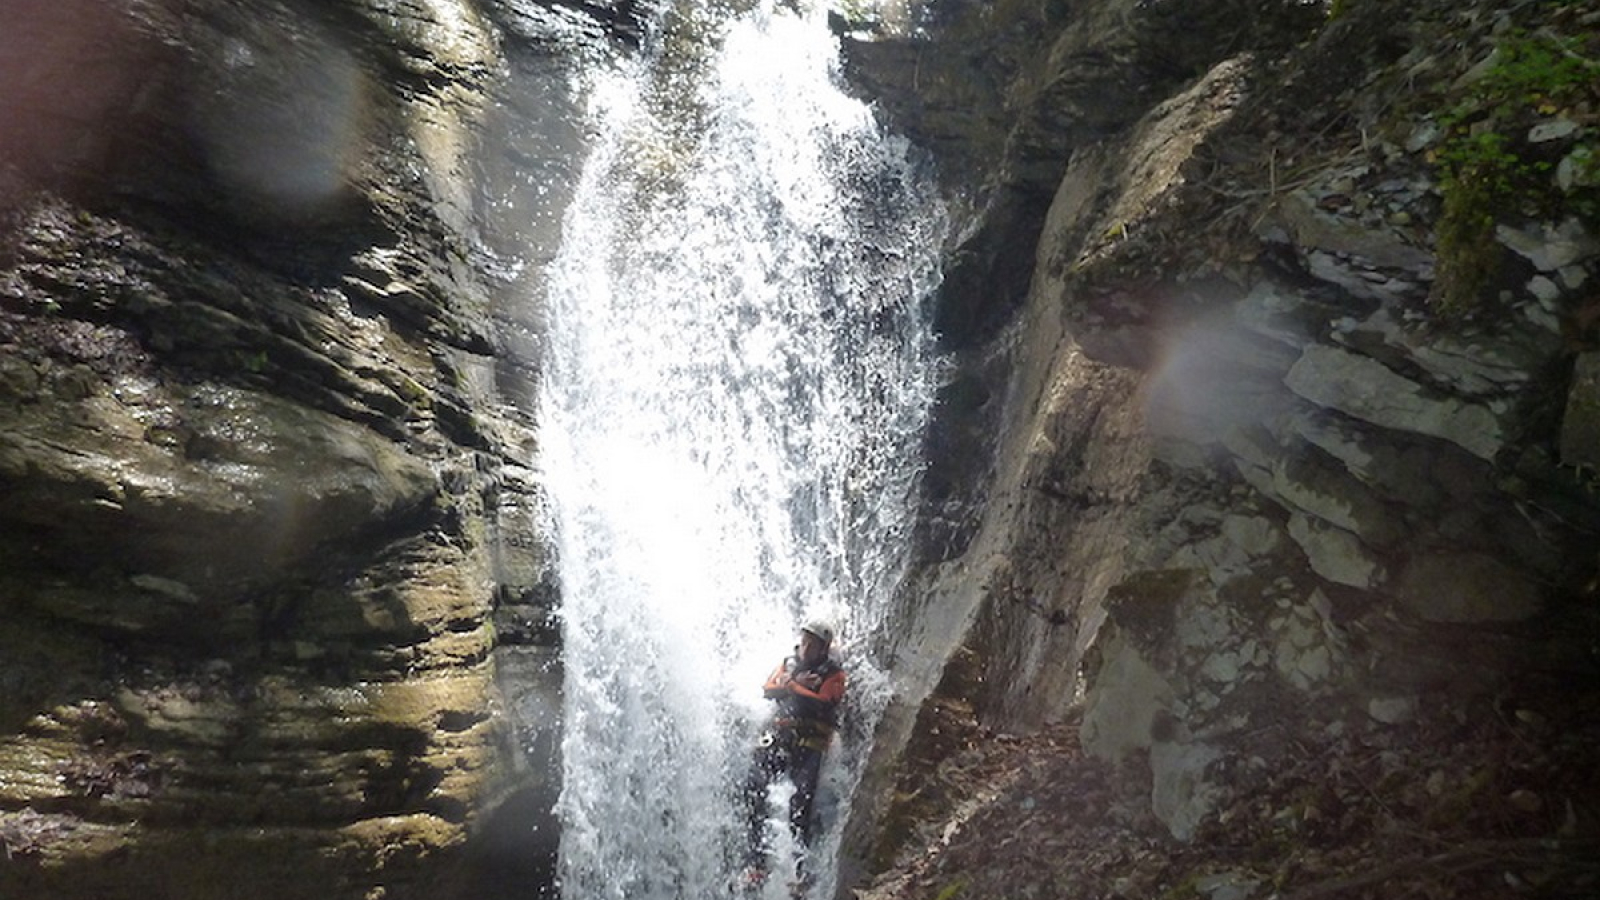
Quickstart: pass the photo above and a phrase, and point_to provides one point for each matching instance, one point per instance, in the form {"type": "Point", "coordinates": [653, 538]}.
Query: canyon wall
{"type": "Point", "coordinates": [271, 534]}
{"type": "Point", "coordinates": [1274, 406]}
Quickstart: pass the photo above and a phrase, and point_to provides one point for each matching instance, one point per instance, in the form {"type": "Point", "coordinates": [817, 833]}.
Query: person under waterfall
{"type": "Point", "coordinates": [806, 689]}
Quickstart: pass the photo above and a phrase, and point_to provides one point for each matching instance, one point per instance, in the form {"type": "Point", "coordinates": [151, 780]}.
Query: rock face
{"type": "Point", "coordinates": [269, 530]}
{"type": "Point", "coordinates": [1274, 404]}
{"type": "Point", "coordinates": [1241, 457]}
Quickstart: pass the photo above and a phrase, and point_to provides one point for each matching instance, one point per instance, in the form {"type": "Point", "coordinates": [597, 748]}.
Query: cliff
{"type": "Point", "coordinates": [1271, 453]}
{"type": "Point", "coordinates": [270, 530]}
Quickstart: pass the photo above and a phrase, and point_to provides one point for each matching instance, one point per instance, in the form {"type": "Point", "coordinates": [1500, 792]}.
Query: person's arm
{"type": "Point", "coordinates": [829, 691]}
{"type": "Point", "coordinates": [779, 682]}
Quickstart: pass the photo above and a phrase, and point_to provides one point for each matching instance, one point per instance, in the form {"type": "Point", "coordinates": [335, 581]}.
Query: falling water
{"type": "Point", "coordinates": [739, 372]}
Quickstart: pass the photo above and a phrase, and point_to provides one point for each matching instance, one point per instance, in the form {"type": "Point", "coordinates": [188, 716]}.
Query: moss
{"type": "Point", "coordinates": [1468, 256]}
{"type": "Point", "coordinates": [1490, 170]}
{"type": "Point", "coordinates": [1188, 887]}
{"type": "Point", "coordinates": [412, 392]}
{"type": "Point", "coordinates": [953, 889]}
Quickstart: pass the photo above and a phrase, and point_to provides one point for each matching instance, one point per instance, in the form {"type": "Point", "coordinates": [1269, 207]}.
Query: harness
{"type": "Point", "coordinates": [802, 722]}
{"type": "Point", "coordinates": [808, 734]}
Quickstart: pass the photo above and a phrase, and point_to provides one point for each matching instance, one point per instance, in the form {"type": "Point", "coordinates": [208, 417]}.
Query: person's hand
{"type": "Point", "coordinates": [810, 681]}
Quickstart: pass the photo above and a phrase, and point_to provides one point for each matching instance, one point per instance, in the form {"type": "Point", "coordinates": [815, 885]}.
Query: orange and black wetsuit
{"type": "Point", "coordinates": [800, 731]}
{"type": "Point", "coordinates": [810, 714]}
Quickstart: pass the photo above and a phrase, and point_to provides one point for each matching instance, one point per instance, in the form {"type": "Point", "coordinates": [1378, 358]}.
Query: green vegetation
{"type": "Point", "coordinates": [255, 363]}
{"type": "Point", "coordinates": [1467, 253]}
{"type": "Point", "coordinates": [1186, 889]}
{"type": "Point", "coordinates": [1489, 167]}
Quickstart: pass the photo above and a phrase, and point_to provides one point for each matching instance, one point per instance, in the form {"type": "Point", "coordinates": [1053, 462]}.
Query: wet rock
{"type": "Point", "coordinates": [255, 473]}
{"type": "Point", "coordinates": [244, 331]}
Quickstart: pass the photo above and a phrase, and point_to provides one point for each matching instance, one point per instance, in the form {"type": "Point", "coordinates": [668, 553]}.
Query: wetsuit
{"type": "Point", "coordinates": [798, 735]}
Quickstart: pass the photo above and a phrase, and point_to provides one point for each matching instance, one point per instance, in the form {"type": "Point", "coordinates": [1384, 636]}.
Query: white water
{"type": "Point", "coordinates": [738, 374]}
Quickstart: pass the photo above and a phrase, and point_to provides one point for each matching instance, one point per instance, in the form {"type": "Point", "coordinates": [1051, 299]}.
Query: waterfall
{"type": "Point", "coordinates": [738, 373]}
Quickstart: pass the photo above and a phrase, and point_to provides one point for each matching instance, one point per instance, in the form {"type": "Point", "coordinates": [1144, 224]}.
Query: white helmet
{"type": "Point", "coordinates": [820, 630]}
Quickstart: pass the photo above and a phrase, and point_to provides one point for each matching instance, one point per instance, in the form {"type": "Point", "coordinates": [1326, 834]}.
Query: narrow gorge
{"type": "Point", "coordinates": [424, 421]}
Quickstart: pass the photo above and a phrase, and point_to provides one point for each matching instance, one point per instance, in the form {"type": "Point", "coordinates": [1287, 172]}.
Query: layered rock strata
{"type": "Point", "coordinates": [270, 527]}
